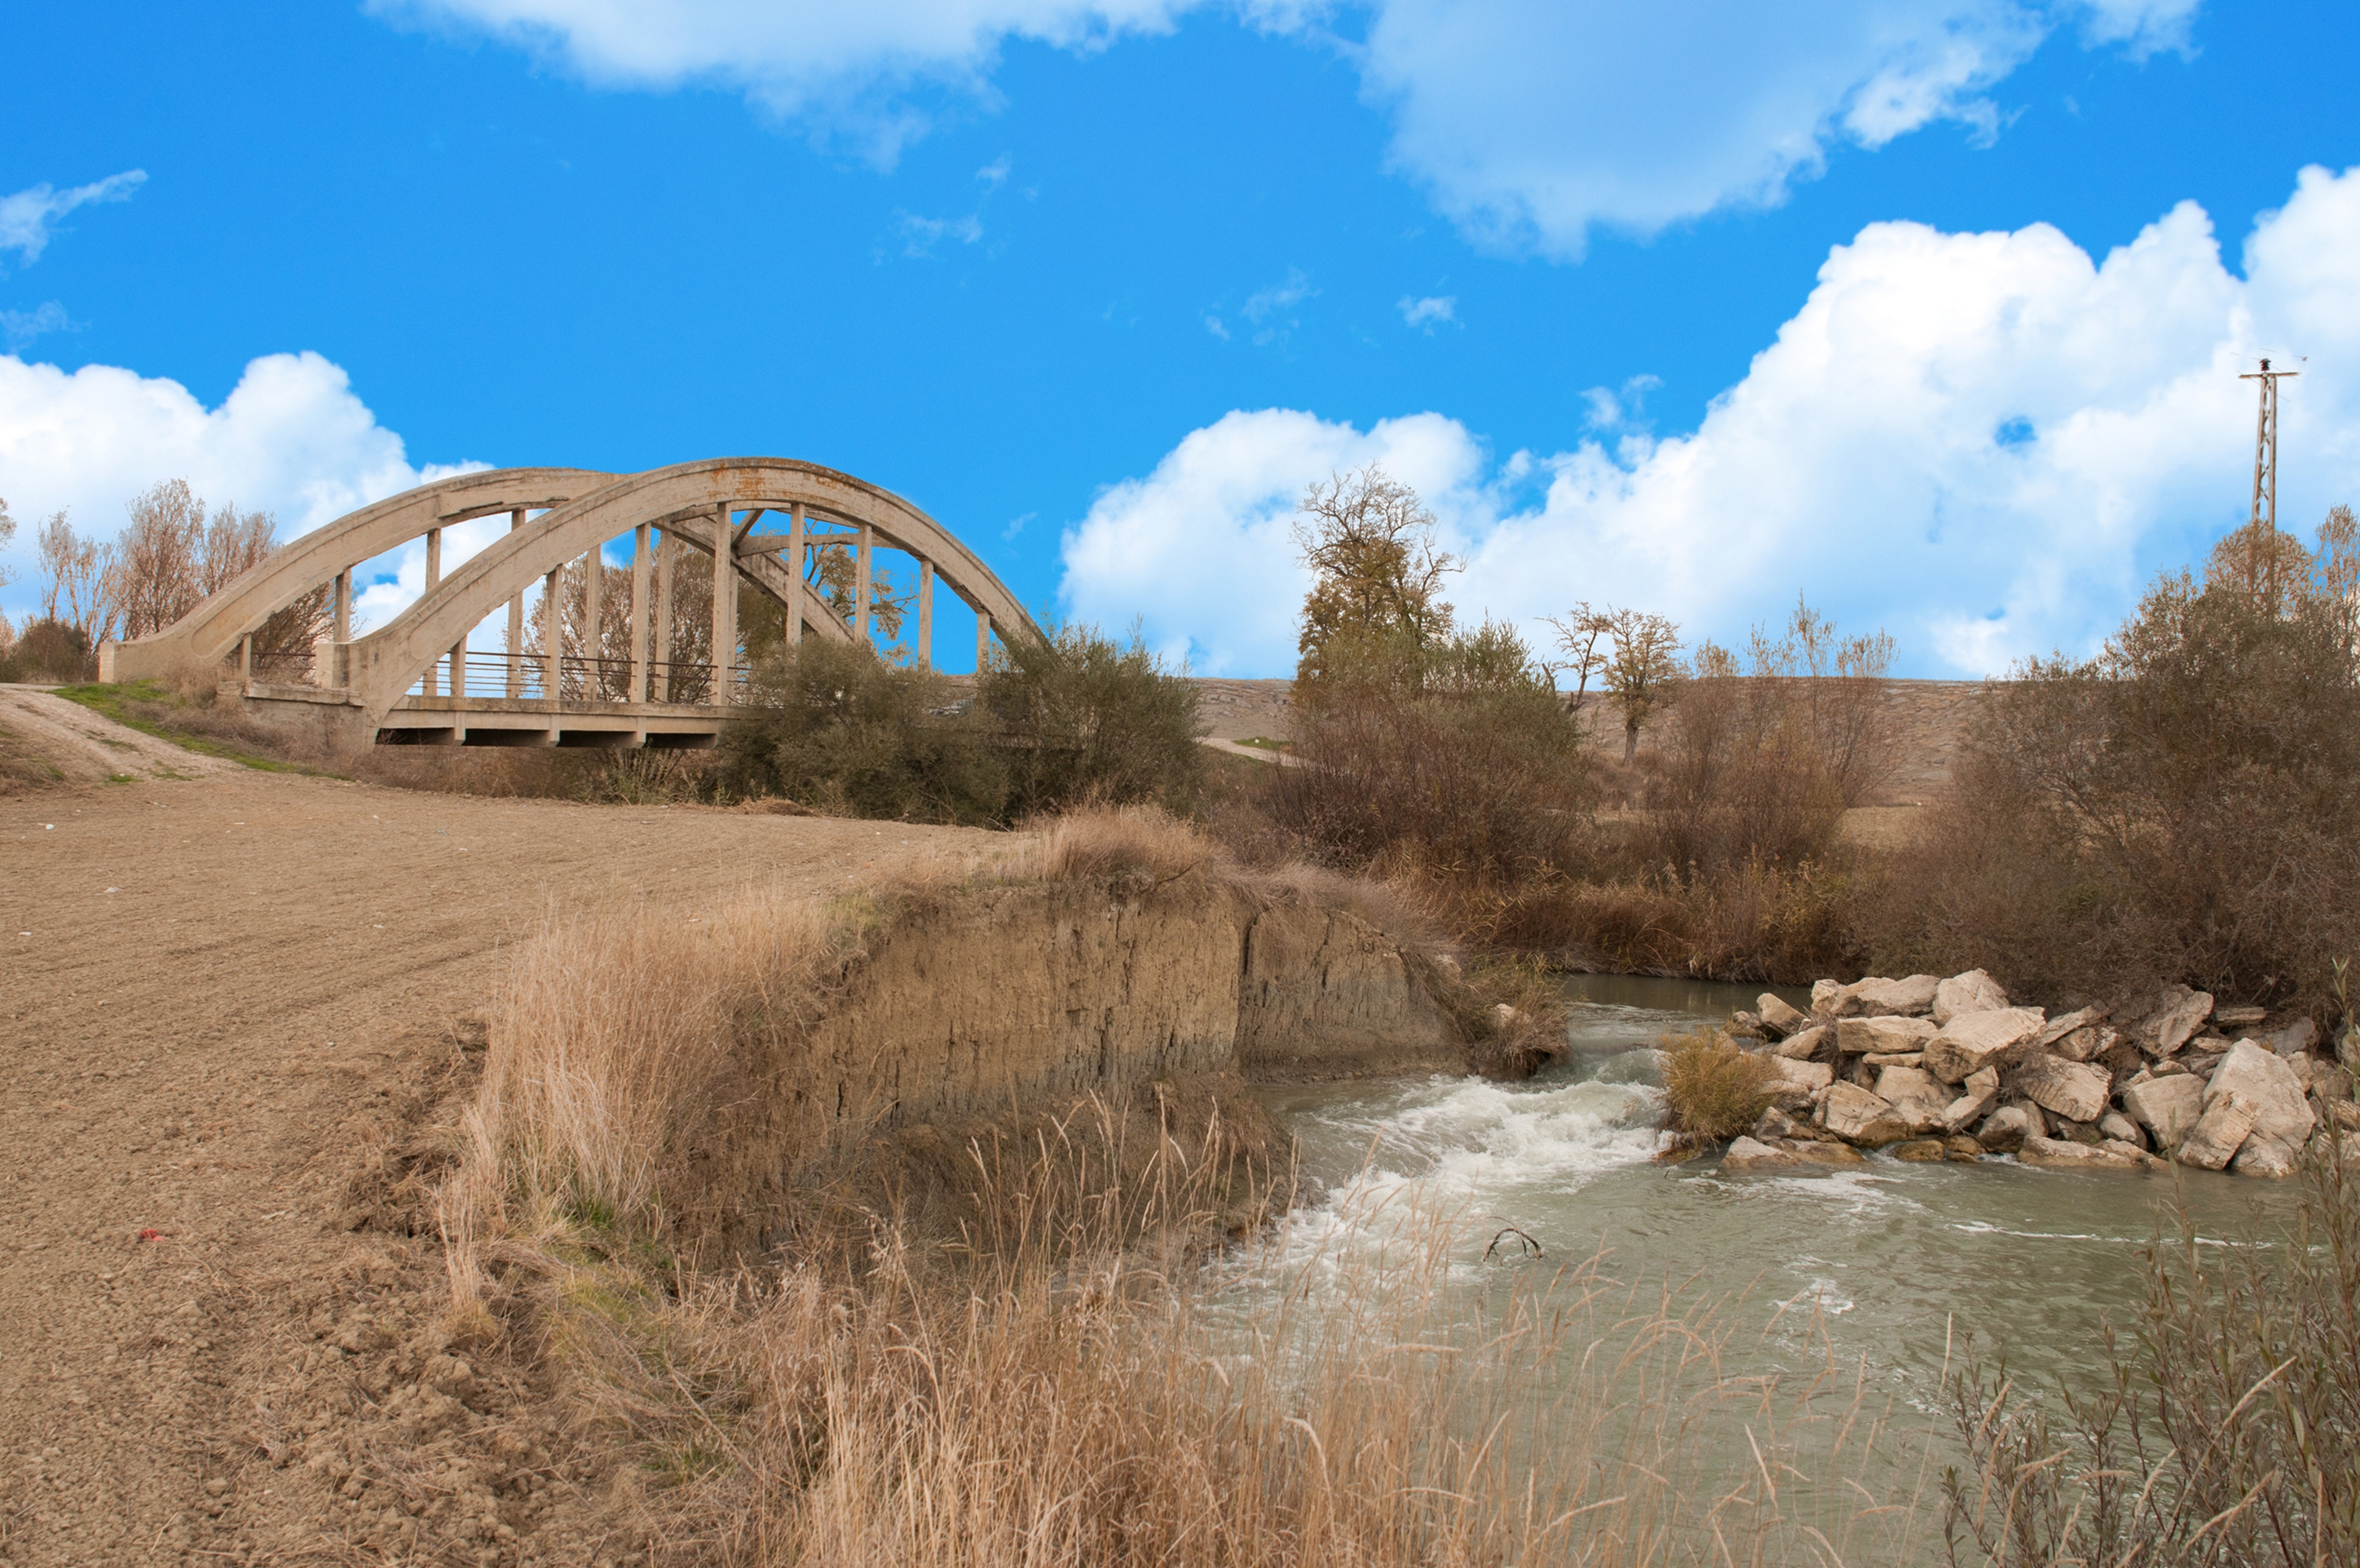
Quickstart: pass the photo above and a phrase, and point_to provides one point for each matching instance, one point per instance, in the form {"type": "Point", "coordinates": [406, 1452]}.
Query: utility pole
{"type": "Point", "coordinates": [2263, 526]}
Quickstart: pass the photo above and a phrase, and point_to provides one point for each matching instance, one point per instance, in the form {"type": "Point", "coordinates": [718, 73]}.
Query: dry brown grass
{"type": "Point", "coordinates": [1070, 1379]}
{"type": "Point", "coordinates": [1714, 1090]}
{"type": "Point", "coordinates": [1145, 842]}
{"type": "Point", "coordinates": [607, 1041]}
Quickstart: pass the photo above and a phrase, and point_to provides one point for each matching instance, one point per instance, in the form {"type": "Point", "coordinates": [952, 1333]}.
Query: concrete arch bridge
{"type": "Point", "coordinates": [641, 672]}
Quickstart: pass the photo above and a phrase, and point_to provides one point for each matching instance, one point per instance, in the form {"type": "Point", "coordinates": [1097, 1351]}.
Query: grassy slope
{"type": "Point", "coordinates": [131, 703]}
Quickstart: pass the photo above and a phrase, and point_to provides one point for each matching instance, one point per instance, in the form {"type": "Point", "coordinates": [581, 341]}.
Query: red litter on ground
{"type": "Point", "coordinates": [151, 1236]}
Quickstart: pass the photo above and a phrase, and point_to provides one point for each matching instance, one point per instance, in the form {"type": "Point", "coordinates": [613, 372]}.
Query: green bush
{"type": "Point", "coordinates": [834, 728]}
{"type": "Point", "coordinates": [49, 652]}
{"type": "Point", "coordinates": [1082, 718]}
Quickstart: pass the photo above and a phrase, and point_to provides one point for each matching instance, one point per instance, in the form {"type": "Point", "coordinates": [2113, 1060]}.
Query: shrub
{"type": "Point", "coordinates": [1081, 717]}
{"type": "Point", "coordinates": [2185, 806]}
{"type": "Point", "coordinates": [1473, 772]}
{"type": "Point", "coordinates": [1713, 1089]}
{"type": "Point", "coordinates": [836, 727]}
{"type": "Point", "coordinates": [1512, 1011]}
{"type": "Point", "coordinates": [51, 652]}
{"type": "Point", "coordinates": [1760, 766]}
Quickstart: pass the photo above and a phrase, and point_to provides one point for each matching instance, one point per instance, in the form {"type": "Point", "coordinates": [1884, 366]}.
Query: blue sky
{"type": "Point", "coordinates": [1694, 310]}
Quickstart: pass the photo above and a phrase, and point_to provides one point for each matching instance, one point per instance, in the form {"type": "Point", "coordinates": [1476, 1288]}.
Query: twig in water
{"type": "Point", "coordinates": [1531, 1248]}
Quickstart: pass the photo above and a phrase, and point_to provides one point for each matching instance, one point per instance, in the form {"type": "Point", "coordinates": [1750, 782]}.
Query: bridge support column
{"type": "Point", "coordinates": [515, 624]}
{"type": "Point", "coordinates": [982, 637]}
{"type": "Point", "coordinates": [926, 614]}
{"type": "Point", "coordinates": [639, 620]}
{"type": "Point", "coordinates": [552, 634]}
{"type": "Point", "coordinates": [795, 568]}
{"type": "Point", "coordinates": [594, 631]}
{"type": "Point", "coordinates": [725, 605]}
{"type": "Point", "coordinates": [664, 682]}
{"type": "Point", "coordinates": [245, 659]}
{"type": "Point", "coordinates": [338, 656]}
{"type": "Point", "coordinates": [860, 585]}
{"type": "Point", "coordinates": [433, 683]}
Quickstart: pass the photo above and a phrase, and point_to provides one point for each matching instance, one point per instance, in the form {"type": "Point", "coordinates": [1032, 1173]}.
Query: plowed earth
{"type": "Point", "coordinates": [235, 1011]}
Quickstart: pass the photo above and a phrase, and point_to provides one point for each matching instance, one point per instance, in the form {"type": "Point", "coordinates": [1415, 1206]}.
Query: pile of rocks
{"type": "Point", "coordinates": [1929, 1068]}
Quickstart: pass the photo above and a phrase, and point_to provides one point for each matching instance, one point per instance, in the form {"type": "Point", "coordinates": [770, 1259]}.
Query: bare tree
{"type": "Point", "coordinates": [1642, 669]}
{"type": "Point", "coordinates": [7, 532]}
{"type": "Point", "coordinates": [1580, 634]}
{"type": "Point", "coordinates": [80, 580]}
{"type": "Point", "coordinates": [156, 558]}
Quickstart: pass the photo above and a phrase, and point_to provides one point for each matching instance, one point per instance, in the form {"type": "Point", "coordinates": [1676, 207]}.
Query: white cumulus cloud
{"type": "Point", "coordinates": [1530, 122]}
{"type": "Point", "coordinates": [291, 439]}
{"type": "Point", "coordinates": [837, 68]}
{"type": "Point", "coordinates": [1985, 442]}
{"type": "Point", "coordinates": [29, 217]}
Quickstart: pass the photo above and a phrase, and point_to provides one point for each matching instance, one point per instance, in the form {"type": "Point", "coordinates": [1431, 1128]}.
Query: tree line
{"type": "Point", "coordinates": [174, 551]}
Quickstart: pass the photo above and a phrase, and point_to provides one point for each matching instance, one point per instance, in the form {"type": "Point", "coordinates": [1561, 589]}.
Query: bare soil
{"type": "Point", "coordinates": [238, 1010]}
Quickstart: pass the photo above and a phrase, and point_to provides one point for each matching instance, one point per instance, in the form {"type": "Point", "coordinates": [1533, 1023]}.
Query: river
{"type": "Point", "coordinates": [1889, 1264]}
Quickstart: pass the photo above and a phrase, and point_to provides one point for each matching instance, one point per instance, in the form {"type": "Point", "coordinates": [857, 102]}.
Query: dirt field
{"type": "Point", "coordinates": [235, 1006]}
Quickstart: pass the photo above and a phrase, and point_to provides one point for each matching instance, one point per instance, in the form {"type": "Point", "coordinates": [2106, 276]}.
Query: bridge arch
{"type": "Point", "coordinates": [210, 632]}
{"type": "Point", "coordinates": [688, 498]}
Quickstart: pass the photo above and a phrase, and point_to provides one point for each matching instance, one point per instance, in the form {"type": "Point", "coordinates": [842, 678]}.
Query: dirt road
{"type": "Point", "coordinates": [227, 1006]}
{"type": "Point", "coordinates": [73, 745]}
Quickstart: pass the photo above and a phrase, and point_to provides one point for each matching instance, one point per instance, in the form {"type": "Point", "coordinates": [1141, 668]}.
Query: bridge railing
{"type": "Point", "coordinates": [524, 677]}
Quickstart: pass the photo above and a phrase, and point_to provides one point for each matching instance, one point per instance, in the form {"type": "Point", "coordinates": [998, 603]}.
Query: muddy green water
{"type": "Point", "coordinates": [1895, 1256]}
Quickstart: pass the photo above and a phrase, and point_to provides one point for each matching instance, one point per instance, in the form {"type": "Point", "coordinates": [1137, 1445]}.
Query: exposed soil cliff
{"type": "Point", "coordinates": [994, 1007]}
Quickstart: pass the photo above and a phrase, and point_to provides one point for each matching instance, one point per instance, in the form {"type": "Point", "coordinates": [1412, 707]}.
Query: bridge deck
{"type": "Point", "coordinates": [537, 721]}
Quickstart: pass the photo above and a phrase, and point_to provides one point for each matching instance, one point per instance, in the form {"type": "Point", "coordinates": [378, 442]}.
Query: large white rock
{"type": "Point", "coordinates": [1974, 992]}
{"type": "Point", "coordinates": [1777, 1017]}
{"type": "Point", "coordinates": [2216, 1139]}
{"type": "Point", "coordinates": [1803, 1042]}
{"type": "Point", "coordinates": [2061, 1154]}
{"type": "Point", "coordinates": [1803, 1076]}
{"type": "Point", "coordinates": [1832, 999]}
{"type": "Point", "coordinates": [1745, 1154]}
{"type": "Point", "coordinates": [2165, 1106]}
{"type": "Point", "coordinates": [1887, 999]}
{"type": "Point", "coordinates": [2176, 1015]}
{"type": "Point", "coordinates": [2264, 1156]}
{"type": "Point", "coordinates": [2065, 1024]}
{"type": "Point", "coordinates": [1978, 1092]}
{"type": "Point", "coordinates": [2116, 1127]}
{"type": "Point", "coordinates": [1857, 1117]}
{"type": "Point", "coordinates": [1990, 1037]}
{"type": "Point", "coordinates": [1893, 1036]}
{"type": "Point", "coordinates": [2074, 1089]}
{"type": "Point", "coordinates": [1920, 1097]}
{"type": "Point", "coordinates": [2007, 1128]}
{"type": "Point", "coordinates": [2261, 1084]}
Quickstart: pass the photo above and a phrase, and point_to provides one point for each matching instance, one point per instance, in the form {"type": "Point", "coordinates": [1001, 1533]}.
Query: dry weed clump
{"type": "Point", "coordinates": [610, 1038]}
{"type": "Point", "coordinates": [1712, 1088]}
{"type": "Point", "coordinates": [1132, 842]}
{"type": "Point", "coordinates": [2229, 1432]}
